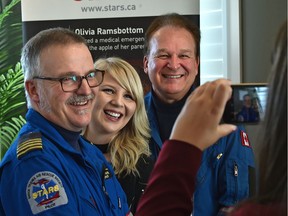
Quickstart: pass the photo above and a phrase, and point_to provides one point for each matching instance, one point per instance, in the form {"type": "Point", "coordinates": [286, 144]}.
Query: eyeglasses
{"type": "Point", "coordinates": [73, 82]}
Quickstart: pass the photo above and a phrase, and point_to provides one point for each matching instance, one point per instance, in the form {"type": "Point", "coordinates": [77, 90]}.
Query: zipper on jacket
{"type": "Point", "coordinates": [236, 173]}
{"type": "Point", "coordinates": [235, 170]}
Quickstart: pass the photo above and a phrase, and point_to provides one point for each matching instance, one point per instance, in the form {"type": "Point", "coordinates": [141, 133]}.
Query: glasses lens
{"type": "Point", "coordinates": [95, 78]}
{"type": "Point", "coordinates": [70, 83]}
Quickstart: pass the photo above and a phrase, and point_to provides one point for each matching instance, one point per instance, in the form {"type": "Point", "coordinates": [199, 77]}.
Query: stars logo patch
{"type": "Point", "coordinates": [45, 191]}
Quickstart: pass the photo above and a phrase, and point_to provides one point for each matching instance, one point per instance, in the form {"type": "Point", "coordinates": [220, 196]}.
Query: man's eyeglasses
{"type": "Point", "coordinates": [73, 82]}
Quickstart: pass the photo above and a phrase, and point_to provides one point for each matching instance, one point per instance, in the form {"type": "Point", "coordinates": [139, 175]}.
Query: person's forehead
{"type": "Point", "coordinates": [63, 47]}
{"type": "Point", "coordinates": [168, 33]}
{"type": "Point", "coordinates": [162, 31]}
{"type": "Point", "coordinates": [69, 58]}
{"type": "Point", "coordinates": [171, 37]}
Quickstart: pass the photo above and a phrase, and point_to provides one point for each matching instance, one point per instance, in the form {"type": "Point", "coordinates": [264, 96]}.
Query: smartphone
{"type": "Point", "coordinates": [247, 104]}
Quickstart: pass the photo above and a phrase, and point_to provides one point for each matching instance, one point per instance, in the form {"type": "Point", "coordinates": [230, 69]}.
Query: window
{"type": "Point", "coordinates": [220, 40]}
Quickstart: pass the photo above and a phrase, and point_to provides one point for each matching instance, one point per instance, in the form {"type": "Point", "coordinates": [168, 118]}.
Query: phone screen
{"type": "Point", "coordinates": [247, 104]}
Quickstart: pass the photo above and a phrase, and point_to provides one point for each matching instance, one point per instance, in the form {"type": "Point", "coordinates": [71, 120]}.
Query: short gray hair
{"type": "Point", "coordinates": [31, 52]}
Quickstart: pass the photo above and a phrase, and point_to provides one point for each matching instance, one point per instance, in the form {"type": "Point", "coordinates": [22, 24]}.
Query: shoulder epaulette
{"type": "Point", "coordinates": [29, 142]}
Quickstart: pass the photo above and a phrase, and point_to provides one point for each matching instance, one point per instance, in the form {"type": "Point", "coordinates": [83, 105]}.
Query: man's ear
{"type": "Point", "coordinates": [197, 62]}
{"type": "Point", "coordinates": [31, 88]}
{"type": "Point", "coordinates": [145, 64]}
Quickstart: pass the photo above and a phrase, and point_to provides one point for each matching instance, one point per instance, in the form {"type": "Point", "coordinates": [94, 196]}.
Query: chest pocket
{"type": "Point", "coordinates": [223, 175]}
{"type": "Point", "coordinates": [235, 176]}
{"type": "Point", "coordinates": [206, 190]}
{"type": "Point", "coordinates": [89, 205]}
{"type": "Point", "coordinates": [88, 190]}
{"type": "Point", "coordinates": [209, 165]}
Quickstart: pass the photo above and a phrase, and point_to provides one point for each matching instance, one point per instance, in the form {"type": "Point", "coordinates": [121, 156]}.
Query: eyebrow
{"type": "Point", "coordinates": [72, 73]}
{"type": "Point", "coordinates": [181, 51]}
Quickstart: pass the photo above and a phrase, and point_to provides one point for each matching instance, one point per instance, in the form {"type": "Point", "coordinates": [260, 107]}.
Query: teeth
{"type": "Point", "coordinates": [173, 76]}
{"type": "Point", "coordinates": [80, 103]}
{"type": "Point", "coordinates": [116, 115]}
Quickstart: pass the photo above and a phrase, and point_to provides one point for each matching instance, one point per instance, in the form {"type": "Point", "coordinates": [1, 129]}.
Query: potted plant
{"type": "Point", "coordinates": [12, 96]}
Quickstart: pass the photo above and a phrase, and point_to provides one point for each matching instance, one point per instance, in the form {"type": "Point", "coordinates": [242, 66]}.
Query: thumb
{"type": "Point", "coordinates": [225, 129]}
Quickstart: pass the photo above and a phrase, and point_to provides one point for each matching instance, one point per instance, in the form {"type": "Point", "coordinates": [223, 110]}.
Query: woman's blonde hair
{"type": "Point", "coordinates": [132, 141]}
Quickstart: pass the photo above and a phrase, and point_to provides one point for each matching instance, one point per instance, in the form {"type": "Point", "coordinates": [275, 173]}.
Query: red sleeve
{"type": "Point", "coordinates": [172, 181]}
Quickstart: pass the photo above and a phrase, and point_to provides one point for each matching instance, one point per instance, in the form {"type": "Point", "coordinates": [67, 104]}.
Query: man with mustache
{"type": "Point", "coordinates": [50, 169]}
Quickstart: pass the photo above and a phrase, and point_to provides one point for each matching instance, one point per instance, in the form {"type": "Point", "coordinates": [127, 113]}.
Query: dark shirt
{"type": "Point", "coordinates": [167, 114]}
{"type": "Point", "coordinates": [172, 181]}
{"type": "Point", "coordinates": [133, 185]}
{"type": "Point", "coordinates": [70, 136]}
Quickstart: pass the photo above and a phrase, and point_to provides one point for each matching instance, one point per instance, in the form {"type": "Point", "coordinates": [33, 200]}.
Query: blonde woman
{"type": "Point", "coordinates": [119, 126]}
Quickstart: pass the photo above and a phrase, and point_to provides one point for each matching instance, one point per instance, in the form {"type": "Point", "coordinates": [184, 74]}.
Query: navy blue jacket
{"type": "Point", "coordinates": [43, 174]}
{"type": "Point", "coordinates": [224, 176]}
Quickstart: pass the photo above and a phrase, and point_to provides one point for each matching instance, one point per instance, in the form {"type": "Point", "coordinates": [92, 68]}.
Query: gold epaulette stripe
{"type": "Point", "coordinates": [29, 142]}
{"type": "Point", "coordinates": [29, 145]}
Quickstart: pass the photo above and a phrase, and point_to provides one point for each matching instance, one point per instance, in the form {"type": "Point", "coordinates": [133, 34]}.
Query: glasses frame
{"type": "Point", "coordinates": [60, 79]}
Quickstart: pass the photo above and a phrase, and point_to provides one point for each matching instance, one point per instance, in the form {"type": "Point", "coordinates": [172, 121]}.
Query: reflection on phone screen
{"type": "Point", "coordinates": [247, 104]}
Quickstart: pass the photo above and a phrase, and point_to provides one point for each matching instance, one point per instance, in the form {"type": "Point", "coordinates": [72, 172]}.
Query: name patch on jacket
{"type": "Point", "coordinates": [245, 140]}
{"type": "Point", "coordinates": [45, 191]}
{"type": "Point", "coordinates": [29, 142]}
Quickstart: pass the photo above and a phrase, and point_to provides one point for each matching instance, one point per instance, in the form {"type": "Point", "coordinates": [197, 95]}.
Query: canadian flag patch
{"type": "Point", "coordinates": [245, 140]}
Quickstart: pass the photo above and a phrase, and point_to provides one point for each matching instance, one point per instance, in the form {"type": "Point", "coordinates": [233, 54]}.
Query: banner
{"type": "Point", "coordinates": [111, 27]}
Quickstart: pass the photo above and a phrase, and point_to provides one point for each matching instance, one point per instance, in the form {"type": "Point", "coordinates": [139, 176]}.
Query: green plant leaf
{"type": "Point", "coordinates": [7, 10]}
{"type": "Point", "coordinates": [12, 95]}
{"type": "Point", "coordinates": [10, 35]}
{"type": "Point", "coordinates": [9, 131]}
